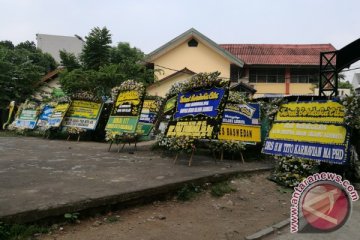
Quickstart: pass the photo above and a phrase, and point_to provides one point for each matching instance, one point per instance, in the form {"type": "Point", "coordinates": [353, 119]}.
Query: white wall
{"type": "Point", "coordinates": [52, 44]}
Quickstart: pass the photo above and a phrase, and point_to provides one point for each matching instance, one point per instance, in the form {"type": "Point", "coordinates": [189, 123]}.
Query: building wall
{"type": "Point", "coordinates": [196, 59]}
{"type": "Point", "coordinates": [52, 44]}
{"type": "Point", "coordinates": [161, 88]}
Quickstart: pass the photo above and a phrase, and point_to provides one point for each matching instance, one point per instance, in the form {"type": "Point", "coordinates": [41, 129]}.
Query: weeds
{"type": "Point", "coordinates": [222, 188]}
{"type": "Point", "coordinates": [188, 192]}
{"type": "Point", "coordinates": [71, 217]}
{"type": "Point", "coordinates": [20, 232]}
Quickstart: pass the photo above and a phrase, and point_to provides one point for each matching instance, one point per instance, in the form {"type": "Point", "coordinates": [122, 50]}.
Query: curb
{"type": "Point", "coordinates": [266, 231]}
{"type": "Point", "coordinates": [118, 201]}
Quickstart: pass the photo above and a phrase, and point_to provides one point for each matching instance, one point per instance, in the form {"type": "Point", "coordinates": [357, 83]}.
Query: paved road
{"type": "Point", "coordinates": [37, 175]}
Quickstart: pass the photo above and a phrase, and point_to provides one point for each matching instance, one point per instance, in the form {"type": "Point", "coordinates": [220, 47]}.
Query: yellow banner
{"type": "Point", "coordinates": [150, 105]}
{"type": "Point", "coordinates": [196, 129]}
{"type": "Point", "coordinates": [84, 109]}
{"type": "Point", "coordinates": [128, 97]}
{"type": "Point", "coordinates": [306, 132]}
{"type": "Point", "coordinates": [240, 133]}
{"type": "Point", "coordinates": [311, 112]}
{"type": "Point", "coordinates": [61, 107]}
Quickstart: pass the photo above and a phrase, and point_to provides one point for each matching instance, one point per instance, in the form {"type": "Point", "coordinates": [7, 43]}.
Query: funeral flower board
{"type": "Point", "coordinates": [83, 114]}
{"type": "Point", "coordinates": [44, 116]}
{"type": "Point", "coordinates": [149, 113]}
{"type": "Point", "coordinates": [311, 130]}
{"type": "Point", "coordinates": [126, 112]}
{"type": "Point", "coordinates": [27, 119]}
{"type": "Point", "coordinates": [58, 114]}
{"type": "Point", "coordinates": [241, 122]}
{"type": "Point", "coordinates": [198, 113]}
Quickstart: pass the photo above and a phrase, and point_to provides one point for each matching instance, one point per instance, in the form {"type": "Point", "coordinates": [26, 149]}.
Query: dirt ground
{"type": "Point", "coordinates": [256, 204]}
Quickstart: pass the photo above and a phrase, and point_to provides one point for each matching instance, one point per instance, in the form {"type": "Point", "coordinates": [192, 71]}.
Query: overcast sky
{"type": "Point", "coordinates": [147, 24]}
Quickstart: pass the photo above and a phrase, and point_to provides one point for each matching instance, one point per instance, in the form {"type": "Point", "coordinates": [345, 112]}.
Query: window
{"type": "Point", "coordinates": [193, 43]}
{"type": "Point", "coordinates": [267, 75]}
{"type": "Point", "coordinates": [304, 75]}
{"type": "Point", "coordinates": [235, 73]}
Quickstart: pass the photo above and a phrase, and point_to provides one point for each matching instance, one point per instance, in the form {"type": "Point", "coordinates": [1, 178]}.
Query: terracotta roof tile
{"type": "Point", "coordinates": [278, 54]}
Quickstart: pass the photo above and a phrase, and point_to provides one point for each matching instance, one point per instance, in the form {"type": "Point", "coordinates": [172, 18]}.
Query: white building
{"type": "Point", "coordinates": [356, 83]}
{"type": "Point", "coordinates": [52, 44]}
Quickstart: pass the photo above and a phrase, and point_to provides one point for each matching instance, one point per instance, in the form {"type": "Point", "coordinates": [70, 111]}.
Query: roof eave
{"type": "Point", "coordinates": [187, 35]}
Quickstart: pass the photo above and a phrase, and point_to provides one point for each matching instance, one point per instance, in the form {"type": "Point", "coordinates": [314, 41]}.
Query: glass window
{"type": "Point", "coordinates": [267, 75]}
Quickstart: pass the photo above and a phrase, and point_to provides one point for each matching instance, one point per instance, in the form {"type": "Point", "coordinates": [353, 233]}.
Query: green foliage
{"type": "Point", "coordinates": [20, 232]}
{"type": "Point", "coordinates": [96, 52]}
{"type": "Point", "coordinates": [21, 67]}
{"type": "Point", "coordinates": [352, 109]}
{"type": "Point", "coordinates": [345, 84]}
{"type": "Point", "coordinates": [71, 217]}
{"type": "Point", "coordinates": [188, 192]}
{"type": "Point", "coordinates": [103, 67]}
{"type": "Point", "coordinates": [69, 61]}
{"type": "Point", "coordinates": [7, 44]}
{"type": "Point", "coordinates": [80, 80]}
{"type": "Point", "coordinates": [20, 70]}
{"type": "Point", "coordinates": [222, 188]}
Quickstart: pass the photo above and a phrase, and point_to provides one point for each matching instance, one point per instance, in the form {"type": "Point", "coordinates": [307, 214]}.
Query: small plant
{"type": "Point", "coordinates": [20, 232]}
{"type": "Point", "coordinates": [188, 192]}
{"type": "Point", "coordinates": [71, 217]}
{"type": "Point", "coordinates": [222, 188]}
{"type": "Point", "coordinates": [112, 219]}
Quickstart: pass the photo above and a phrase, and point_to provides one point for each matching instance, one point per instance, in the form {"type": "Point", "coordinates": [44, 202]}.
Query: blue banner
{"type": "Point", "coordinates": [30, 124]}
{"type": "Point", "coordinates": [204, 101]}
{"type": "Point", "coordinates": [244, 114]}
{"type": "Point", "coordinates": [315, 151]}
{"type": "Point", "coordinates": [47, 111]}
{"type": "Point", "coordinates": [148, 117]}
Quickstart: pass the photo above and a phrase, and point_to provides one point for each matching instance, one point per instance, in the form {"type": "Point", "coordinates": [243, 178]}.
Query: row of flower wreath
{"type": "Point", "coordinates": [290, 171]}
{"type": "Point", "coordinates": [188, 144]}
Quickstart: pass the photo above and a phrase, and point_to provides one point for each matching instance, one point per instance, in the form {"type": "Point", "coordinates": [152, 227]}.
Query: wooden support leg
{"type": "Point", "coordinates": [68, 138]}
{"type": "Point", "coordinates": [176, 157]}
{"type": "Point", "coordinates": [135, 145]}
{"type": "Point", "coordinates": [242, 158]}
{"type": "Point", "coordinates": [121, 147]}
{"type": "Point", "coordinates": [191, 157]}
{"type": "Point", "coordinates": [222, 155]}
{"type": "Point", "coordinates": [78, 138]}
{"type": "Point", "coordinates": [214, 156]}
{"type": "Point", "coordinates": [111, 142]}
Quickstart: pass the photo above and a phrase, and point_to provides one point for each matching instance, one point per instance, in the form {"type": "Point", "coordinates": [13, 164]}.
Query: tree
{"type": "Point", "coordinates": [103, 67]}
{"type": "Point", "coordinates": [96, 52]}
{"type": "Point", "coordinates": [20, 68]}
{"type": "Point", "coordinates": [69, 61]}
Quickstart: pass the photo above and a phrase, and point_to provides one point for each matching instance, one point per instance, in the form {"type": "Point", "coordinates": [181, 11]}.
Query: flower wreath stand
{"type": "Point", "coordinates": [227, 146]}
{"type": "Point", "coordinates": [122, 139]}
{"type": "Point", "coordinates": [75, 131]}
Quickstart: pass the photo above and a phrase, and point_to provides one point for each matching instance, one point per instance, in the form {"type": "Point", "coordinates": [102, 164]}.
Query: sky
{"type": "Point", "coordinates": [148, 24]}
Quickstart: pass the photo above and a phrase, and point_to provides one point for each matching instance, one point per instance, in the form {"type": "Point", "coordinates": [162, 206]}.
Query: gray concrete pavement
{"type": "Point", "coordinates": [349, 231]}
{"type": "Point", "coordinates": [41, 178]}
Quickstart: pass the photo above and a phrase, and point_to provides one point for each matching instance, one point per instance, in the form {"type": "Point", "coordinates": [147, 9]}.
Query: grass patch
{"type": "Point", "coordinates": [20, 232]}
{"type": "Point", "coordinates": [8, 134]}
{"type": "Point", "coordinates": [188, 192]}
{"type": "Point", "coordinates": [112, 219]}
{"type": "Point", "coordinates": [222, 188]}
